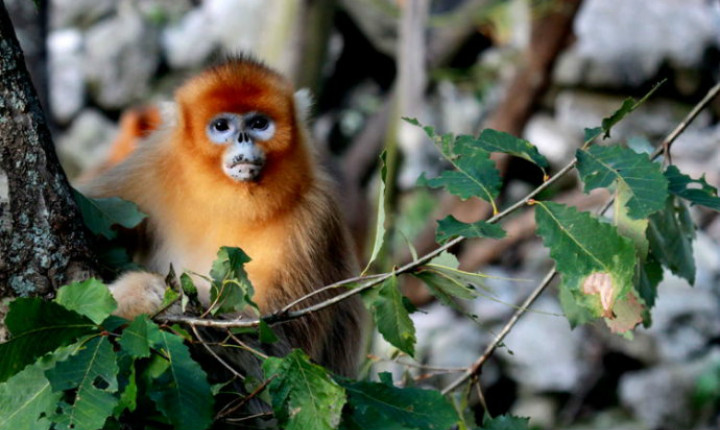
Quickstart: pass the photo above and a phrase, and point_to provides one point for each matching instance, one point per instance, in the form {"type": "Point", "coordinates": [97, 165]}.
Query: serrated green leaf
{"type": "Point", "coordinates": [90, 298]}
{"type": "Point", "coordinates": [231, 289]}
{"type": "Point", "coordinates": [627, 107]}
{"type": "Point", "coordinates": [497, 141]}
{"type": "Point", "coordinates": [671, 233]}
{"type": "Point", "coordinates": [505, 422]}
{"type": "Point", "coordinates": [476, 176]}
{"type": "Point", "coordinates": [27, 396]}
{"type": "Point", "coordinates": [139, 336]}
{"type": "Point", "coordinates": [603, 166]}
{"type": "Point", "coordinates": [597, 264]}
{"type": "Point", "coordinates": [101, 215]}
{"type": "Point", "coordinates": [449, 228]}
{"type": "Point", "coordinates": [391, 316]}
{"type": "Point", "coordinates": [380, 221]}
{"type": "Point", "coordinates": [706, 195]}
{"type": "Point", "coordinates": [180, 388]}
{"type": "Point", "coordinates": [382, 406]}
{"type": "Point", "coordinates": [93, 372]}
{"type": "Point", "coordinates": [303, 394]}
{"type": "Point", "coordinates": [38, 327]}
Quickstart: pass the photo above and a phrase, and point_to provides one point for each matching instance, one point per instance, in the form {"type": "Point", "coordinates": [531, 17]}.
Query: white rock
{"type": "Point", "coordinates": [85, 144]}
{"type": "Point", "coordinates": [67, 75]}
{"type": "Point", "coordinates": [122, 55]}
{"type": "Point", "coordinates": [189, 42]}
{"type": "Point", "coordinates": [545, 350]}
{"type": "Point", "coordinates": [661, 397]}
{"type": "Point", "coordinates": [624, 42]}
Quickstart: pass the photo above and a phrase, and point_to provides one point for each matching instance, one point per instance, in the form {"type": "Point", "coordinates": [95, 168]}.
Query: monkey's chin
{"type": "Point", "coordinates": [243, 172]}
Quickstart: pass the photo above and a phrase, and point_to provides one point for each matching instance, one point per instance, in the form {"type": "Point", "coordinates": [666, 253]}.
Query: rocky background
{"type": "Point", "coordinates": [92, 59]}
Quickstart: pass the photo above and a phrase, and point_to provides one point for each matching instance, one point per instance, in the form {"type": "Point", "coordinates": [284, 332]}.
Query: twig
{"type": "Point", "coordinates": [475, 368]}
{"type": "Point", "coordinates": [227, 410]}
{"type": "Point", "coordinates": [214, 354]}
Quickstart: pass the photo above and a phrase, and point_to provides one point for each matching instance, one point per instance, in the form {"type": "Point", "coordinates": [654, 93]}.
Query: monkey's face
{"type": "Point", "coordinates": [238, 120]}
{"type": "Point", "coordinates": [243, 134]}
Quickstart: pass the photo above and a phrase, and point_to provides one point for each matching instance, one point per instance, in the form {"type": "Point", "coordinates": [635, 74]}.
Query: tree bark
{"type": "Point", "coordinates": [43, 242]}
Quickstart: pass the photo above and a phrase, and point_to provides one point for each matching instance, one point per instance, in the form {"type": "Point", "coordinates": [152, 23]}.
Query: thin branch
{"type": "Point", "coordinates": [475, 368]}
{"type": "Point", "coordinates": [214, 354]}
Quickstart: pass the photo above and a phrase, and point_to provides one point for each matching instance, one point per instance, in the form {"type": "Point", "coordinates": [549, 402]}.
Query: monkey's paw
{"type": "Point", "coordinates": [138, 293]}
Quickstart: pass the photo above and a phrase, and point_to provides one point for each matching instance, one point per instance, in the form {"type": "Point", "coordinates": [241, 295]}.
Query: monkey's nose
{"type": "Point", "coordinates": [243, 137]}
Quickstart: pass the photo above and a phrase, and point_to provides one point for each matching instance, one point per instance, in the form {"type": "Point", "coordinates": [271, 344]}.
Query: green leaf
{"type": "Point", "coordinates": [592, 134]}
{"type": "Point", "coordinates": [497, 141]}
{"type": "Point", "coordinates": [231, 287]}
{"type": "Point", "coordinates": [382, 406]}
{"type": "Point", "coordinates": [90, 298]}
{"type": "Point", "coordinates": [38, 327]}
{"type": "Point", "coordinates": [139, 336]}
{"type": "Point", "coordinates": [27, 396]}
{"type": "Point", "coordinates": [303, 395]}
{"type": "Point", "coordinates": [476, 176]}
{"type": "Point", "coordinates": [266, 333]}
{"type": "Point", "coordinates": [603, 166]}
{"type": "Point", "coordinates": [505, 422]}
{"type": "Point", "coordinates": [650, 276]}
{"type": "Point", "coordinates": [181, 390]}
{"type": "Point", "coordinates": [93, 372]}
{"type": "Point", "coordinates": [705, 195]}
{"type": "Point", "coordinates": [380, 221]}
{"type": "Point", "coordinates": [627, 107]}
{"type": "Point", "coordinates": [449, 228]}
{"type": "Point", "coordinates": [633, 229]}
{"type": "Point", "coordinates": [391, 316]}
{"type": "Point", "coordinates": [101, 215]}
{"type": "Point", "coordinates": [597, 264]}
{"type": "Point", "coordinates": [671, 233]}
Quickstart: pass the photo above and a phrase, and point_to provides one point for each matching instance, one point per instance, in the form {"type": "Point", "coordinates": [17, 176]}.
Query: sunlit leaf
{"type": "Point", "coordinates": [597, 264]}
{"type": "Point", "coordinates": [604, 166]}
{"type": "Point", "coordinates": [231, 289]}
{"type": "Point", "coordinates": [90, 298]}
{"type": "Point", "coordinates": [93, 372]}
{"type": "Point", "coordinates": [391, 315]}
{"type": "Point", "coordinates": [303, 394]}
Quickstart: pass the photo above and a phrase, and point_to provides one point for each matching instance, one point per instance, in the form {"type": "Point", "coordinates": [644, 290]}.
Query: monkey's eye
{"type": "Point", "coordinates": [221, 124]}
{"type": "Point", "coordinates": [259, 126]}
{"type": "Point", "coordinates": [222, 128]}
{"type": "Point", "coordinates": [258, 123]}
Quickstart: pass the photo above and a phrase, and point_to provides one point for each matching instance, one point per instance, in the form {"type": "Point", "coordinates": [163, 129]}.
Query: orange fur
{"type": "Point", "coordinates": [287, 220]}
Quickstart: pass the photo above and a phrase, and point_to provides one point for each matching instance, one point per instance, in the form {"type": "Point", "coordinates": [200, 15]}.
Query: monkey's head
{"type": "Point", "coordinates": [238, 119]}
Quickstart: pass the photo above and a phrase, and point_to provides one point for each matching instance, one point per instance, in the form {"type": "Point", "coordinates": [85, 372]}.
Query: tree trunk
{"type": "Point", "coordinates": [43, 243]}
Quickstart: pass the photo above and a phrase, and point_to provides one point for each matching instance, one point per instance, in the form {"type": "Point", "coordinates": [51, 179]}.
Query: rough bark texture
{"type": "Point", "coordinates": [43, 243]}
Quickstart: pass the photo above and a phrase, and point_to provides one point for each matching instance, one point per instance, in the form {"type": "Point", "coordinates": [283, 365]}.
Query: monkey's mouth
{"type": "Point", "coordinates": [242, 169]}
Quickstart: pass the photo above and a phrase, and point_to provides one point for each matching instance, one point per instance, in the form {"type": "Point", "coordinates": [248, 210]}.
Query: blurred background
{"type": "Point", "coordinates": [540, 69]}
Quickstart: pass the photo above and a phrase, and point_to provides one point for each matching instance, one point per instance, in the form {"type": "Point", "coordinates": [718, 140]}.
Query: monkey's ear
{"type": "Point", "coordinates": [168, 113]}
{"type": "Point", "coordinates": [303, 103]}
